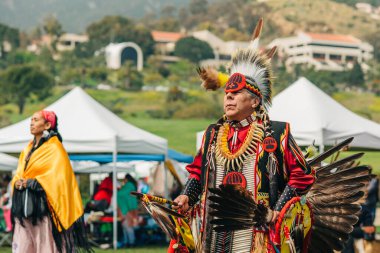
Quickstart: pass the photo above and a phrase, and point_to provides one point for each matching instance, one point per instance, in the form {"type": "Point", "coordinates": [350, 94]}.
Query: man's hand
{"type": "Point", "coordinates": [274, 217]}
{"type": "Point", "coordinates": [183, 203]}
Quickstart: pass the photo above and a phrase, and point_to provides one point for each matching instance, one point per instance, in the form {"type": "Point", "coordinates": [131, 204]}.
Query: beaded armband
{"type": "Point", "coordinates": [286, 195]}
{"type": "Point", "coordinates": [192, 189]}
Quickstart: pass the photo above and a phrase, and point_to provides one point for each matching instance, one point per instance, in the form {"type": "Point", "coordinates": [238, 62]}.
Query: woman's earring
{"type": "Point", "coordinates": [45, 134]}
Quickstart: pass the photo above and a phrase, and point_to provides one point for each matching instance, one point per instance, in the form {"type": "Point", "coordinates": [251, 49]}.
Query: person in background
{"type": "Point", "coordinates": [102, 197]}
{"type": "Point", "coordinates": [143, 186]}
{"type": "Point", "coordinates": [6, 202]}
{"type": "Point", "coordinates": [47, 211]}
{"type": "Point", "coordinates": [128, 207]}
{"type": "Point", "coordinates": [364, 228]}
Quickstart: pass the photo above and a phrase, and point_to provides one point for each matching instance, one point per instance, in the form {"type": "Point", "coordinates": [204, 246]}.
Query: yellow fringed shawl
{"type": "Point", "coordinates": [50, 166]}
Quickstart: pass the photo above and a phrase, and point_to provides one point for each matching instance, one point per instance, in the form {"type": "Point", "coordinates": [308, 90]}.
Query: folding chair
{"type": "Point", "coordinates": [5, 239]}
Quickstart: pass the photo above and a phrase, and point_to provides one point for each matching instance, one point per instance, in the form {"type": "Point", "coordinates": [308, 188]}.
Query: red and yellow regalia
{"type": "Point", "coordinates": [251, 188]}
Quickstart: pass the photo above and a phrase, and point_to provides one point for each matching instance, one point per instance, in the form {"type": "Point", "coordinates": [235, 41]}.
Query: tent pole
{"type": "Point", "coordinates": [321, 145]}
{"type": "Point", "coordinates": [321, 148]}
{"type": "Point", "coordinates": [165, 180]}
{"type": "Point", "coordinates": [114, 194]}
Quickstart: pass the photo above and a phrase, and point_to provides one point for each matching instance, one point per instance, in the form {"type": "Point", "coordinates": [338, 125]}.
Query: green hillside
{"type": "Point", "coordinates": [283, 17]}
{"type": "Point", "coordinates": [76, 15]}
{"type": "Point", "coordinates": [320, 16]}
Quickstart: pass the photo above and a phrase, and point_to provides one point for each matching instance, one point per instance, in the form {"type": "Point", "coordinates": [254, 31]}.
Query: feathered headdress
{"type": "Point", "coordinates": [249, 69]}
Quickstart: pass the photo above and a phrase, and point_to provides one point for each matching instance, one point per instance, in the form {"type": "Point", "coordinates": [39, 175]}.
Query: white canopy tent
{"type": "Point", "coordinates": [7, 162]}
{"type": "Point", "coordinates": [313, 115]}
{"type": "Point", "coordinates": [88, 127]}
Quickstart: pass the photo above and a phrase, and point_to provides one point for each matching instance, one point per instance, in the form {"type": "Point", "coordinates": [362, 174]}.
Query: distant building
{"type": "Point", "coordinates": [68, 41]}
{"type": "Point", "coordinates": [117, 54]}
{"type": "Point", "coordinates": [222, 49]}
{"type": "Point", "coordinates": [5, 46]}
{"type": "Point", "coordinates": [332, 52]}
{"type": "Point", "coordinates": [36, 44]}
{"type": "Point", "coordinates": [165, 41]}
{"type": "Point", "coordinates": [165, 44]}
{"type": "Point", "coordinates": [364, 7]}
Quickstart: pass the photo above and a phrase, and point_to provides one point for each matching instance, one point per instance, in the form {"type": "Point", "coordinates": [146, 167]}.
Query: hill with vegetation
{"type": "Point", "coordinates": [321, 16]}
{"type": "Point", "coordinates": [76, 15]}
{"type": "Point", "coordinates": [228, 18]}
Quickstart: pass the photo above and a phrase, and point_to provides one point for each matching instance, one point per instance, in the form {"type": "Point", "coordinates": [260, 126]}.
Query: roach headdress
{"type": "Point", "coordinates": [249, 69]}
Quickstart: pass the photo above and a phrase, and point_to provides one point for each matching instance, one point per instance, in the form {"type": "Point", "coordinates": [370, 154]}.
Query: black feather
{"type": "Point", "coordinates": [329, 152]}
{"type": "Point", "coordinates": [329, 241]}
{"type": "Point", "coordinates": [339, 163]}
{"type": "Point", "coordinates": [346, 173]}
{"type": "Point", "coordinates": [331, 233]}
{"type": "Point", "coordinates": [233, 207]}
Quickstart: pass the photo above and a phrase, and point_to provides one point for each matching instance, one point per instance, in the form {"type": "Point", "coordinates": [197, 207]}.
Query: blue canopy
{"type": "Point", "coordinates": [180, 157]}
{"type": "Point", "coordinates": [107, 158]}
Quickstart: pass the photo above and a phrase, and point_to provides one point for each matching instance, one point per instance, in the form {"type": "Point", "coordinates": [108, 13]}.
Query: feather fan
{"type": "Point", "coordinates": [335, 196]}
{"type": "Point", "coordinates": [234, 208]}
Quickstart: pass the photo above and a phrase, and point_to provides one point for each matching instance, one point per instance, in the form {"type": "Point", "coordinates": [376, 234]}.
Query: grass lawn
{"type": "Point", "coordinates": [371, 158]}
{"type": "Point", "coordinates": [156, 249]}
{"type": "Point", "coordinates": [180, 133]}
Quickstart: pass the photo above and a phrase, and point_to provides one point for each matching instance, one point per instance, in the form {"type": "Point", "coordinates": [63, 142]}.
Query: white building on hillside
{"type": "Point", "coordinates": [332, 52]}
{"type": "Point", "coordinates": [222, 49]}
{"type": "Point", "coordinates": [69, 41]}
{"type": "Point", "coordinates": [117, 53]}
{"type": "Point", "coordinates": [165, 44]}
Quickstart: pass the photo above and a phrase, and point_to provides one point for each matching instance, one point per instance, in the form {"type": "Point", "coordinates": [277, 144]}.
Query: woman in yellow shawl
{"type": "Point", "coordinates": [47, 207]}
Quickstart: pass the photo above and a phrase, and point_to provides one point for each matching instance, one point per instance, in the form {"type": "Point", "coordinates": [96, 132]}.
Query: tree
{"type": "Point", "coordinates": [198, 7]}
{"type": "Point", "coordinates": [168, 11]}
{"type": "Point", "coordinates": [35, 33]}
{"type": "Point", "coordinates": [18, 83]}
{"type": "Point", "coordinates": [52, 26]}
{"type": "Point", "coordinates": [374, 39]}
{"type": "Point", "coordinates": [10, 35]}
{"type": "Point", "coordinates": [193, 49]}
{"type": "Point", "coordinates": [130, 78]}
{"type": "Point", "coordinates": [233, 34]}
{"type": "Point", "coordinates": [167, 24]}
{"type": "Point", "coordinates": [356, 76]}
{"type": "Point", "coordinates": [118, 29]}
{"type": "Point", "coordinates": [20, 57]}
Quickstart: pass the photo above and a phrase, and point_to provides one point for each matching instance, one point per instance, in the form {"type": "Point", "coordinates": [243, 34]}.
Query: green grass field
{"type": "Point", "coordinates": [180, 133]}
{"type": "Point", "coordinates": [371, 158]}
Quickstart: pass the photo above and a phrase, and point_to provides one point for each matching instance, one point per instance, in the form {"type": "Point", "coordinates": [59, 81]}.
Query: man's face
{"type": "Point", "coordinates": [239, 105]}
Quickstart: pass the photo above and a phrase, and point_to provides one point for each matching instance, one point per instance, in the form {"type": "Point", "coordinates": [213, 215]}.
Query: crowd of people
{"type": "Point", "coordinates": [130, 216]}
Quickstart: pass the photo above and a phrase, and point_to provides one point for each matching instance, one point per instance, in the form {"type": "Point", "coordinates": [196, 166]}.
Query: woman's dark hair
{"type": "Point", "coordinates": [131, 179]}
{"type": "Point", "coordinates": [55, 129]}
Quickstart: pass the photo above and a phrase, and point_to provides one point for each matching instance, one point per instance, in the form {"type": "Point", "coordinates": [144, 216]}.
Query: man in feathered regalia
{"type": "Point", "coordinates": [250, 168]}
{"type": "Point", "coordinates": [246, 148]}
